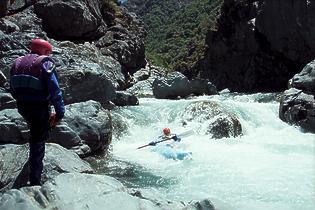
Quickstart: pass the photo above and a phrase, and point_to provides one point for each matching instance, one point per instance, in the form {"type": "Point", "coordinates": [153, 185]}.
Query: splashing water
{"type": "Point", "coordinates": [271, 166]}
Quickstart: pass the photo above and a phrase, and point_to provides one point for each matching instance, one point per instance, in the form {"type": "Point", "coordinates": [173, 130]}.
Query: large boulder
{"type": "Point", "coordinates": [176, 84]}
{"type": "Point", "coordinates": [72, 19]}
{"type": "Point", "coordinates": [89, 122]}
{"type": "Point", "coordinates": [86, 128]}
{"type": "Point", "coordinates": [142, 88]}
{"type": "Point", "coordinates": [298, 108]}
{"type": "Point", "coordinates": [124, 98]}
{"type": "Point", "coordinates": [92, 77]}
{"type": "Point", "coordinates": [202, 87]}
{"type": "Point", "coordinates": [213, 119]}
{"type": "Point", "coordinates": [14, 166]}
{"type": "Point", "coordinates": [305, 80]}
{"type": "Point", "coordinates": [172, 86]}
{"type": "Point", "coordinates": [259, 45]}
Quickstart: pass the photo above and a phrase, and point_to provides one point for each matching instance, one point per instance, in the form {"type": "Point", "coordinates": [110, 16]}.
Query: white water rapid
{"type": "Point", "coordinates": [271, 166]}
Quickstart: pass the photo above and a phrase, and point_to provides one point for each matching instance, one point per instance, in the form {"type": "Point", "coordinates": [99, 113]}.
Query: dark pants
{"type": "Point", "coordinates": [37, 117]}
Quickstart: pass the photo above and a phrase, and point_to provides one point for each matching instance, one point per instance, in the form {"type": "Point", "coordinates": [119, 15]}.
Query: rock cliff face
{"type": "Point", "coordinates": [259, 45]}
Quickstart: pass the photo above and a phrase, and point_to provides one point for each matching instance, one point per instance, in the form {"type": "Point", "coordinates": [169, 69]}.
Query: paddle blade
{"type": "Point", "coordinates": [186, 133]}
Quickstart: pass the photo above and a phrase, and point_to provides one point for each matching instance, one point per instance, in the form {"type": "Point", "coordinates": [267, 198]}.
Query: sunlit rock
{"type": "Point", "coordinates": [14, 166]}
{"type": "Point", "coordinates": [64, 193]}
{"type": "Point", "coordinates": [75, 19]}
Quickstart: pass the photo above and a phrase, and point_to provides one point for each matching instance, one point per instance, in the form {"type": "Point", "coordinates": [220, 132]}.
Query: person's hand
{"type": "Point", "coordinates": [152, 143]}
{"type": "Point", "coordinates": [53, 120]}
{"type": "Point", "coordinates": [176, 138]}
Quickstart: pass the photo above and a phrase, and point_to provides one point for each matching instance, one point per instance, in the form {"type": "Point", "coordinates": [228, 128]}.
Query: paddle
{"type": "Point", "coordinates": [184, 134]}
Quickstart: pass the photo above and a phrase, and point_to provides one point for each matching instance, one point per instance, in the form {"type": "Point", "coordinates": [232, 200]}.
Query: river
{"type": "Point", "coordinates": [271, 166]}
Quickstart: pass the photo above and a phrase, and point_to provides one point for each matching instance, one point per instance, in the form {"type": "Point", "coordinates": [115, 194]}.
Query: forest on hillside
{"type": "Point", "coordinates": [176, 32]}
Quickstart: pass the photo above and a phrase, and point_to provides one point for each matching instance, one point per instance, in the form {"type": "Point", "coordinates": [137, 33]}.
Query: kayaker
{"type": "Point", "coordinates": [167, 135]}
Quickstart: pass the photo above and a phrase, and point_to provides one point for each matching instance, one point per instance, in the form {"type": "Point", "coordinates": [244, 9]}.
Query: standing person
{"type": "Point", "coordinates": [34, 85]}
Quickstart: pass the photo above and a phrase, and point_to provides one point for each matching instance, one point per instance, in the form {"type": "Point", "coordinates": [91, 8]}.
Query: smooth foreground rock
{"type": "Point", "coordinates": [75, 191]}
{"type": "Point", "coordinates": [14, 166]}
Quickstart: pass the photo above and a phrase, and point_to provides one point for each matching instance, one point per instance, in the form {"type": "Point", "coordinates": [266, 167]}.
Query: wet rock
{"type": "Point", "coordinates": [14, 166]}
{"type": "Point", "coordinates": [212, 119]}
{"type": "Point", "coordinates": [120, 126]}
{"type": "Point", "coordinates": [225, 127]}
{"type": "Point", "coordinates": [124, 98]}
{"type": "Point", "coordinates": [175, 85]}
{"type": "Point", "coordinates": [142, 88]}
{"type": "Point", "coordinates": [298, 108]}
{"type": "Point", "coordinates": [202, 87]}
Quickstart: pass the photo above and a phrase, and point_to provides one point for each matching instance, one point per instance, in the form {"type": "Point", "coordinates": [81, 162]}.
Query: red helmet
{"type": "Point", "coordinates": [40, 46]}
{"type": "Point", "coordinates": [166, 131]}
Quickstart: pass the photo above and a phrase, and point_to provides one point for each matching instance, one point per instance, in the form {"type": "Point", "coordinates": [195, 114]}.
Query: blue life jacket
{"type": "Point", "coordinates": [33, 79]}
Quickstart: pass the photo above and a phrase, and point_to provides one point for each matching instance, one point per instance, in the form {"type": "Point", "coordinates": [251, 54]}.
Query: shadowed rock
{"type": "Point", "coordinates": [124, 98]}
{"type": "Point", "coordinates": [259, 45]}
{"type": "Point", "coordinates": [298, 108]}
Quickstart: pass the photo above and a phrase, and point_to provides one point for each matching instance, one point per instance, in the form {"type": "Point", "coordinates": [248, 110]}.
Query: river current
{"type": "Point", "coordinates": [271, 166]}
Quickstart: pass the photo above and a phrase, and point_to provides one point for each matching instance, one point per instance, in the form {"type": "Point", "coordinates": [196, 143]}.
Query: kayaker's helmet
{"type": "Point", "coordinates": [167, 131]}
{"type": "Point", "coordinates": [41, 47]}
